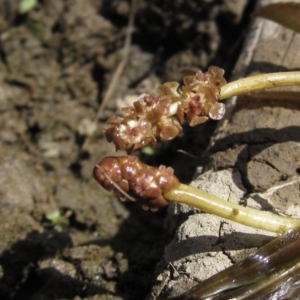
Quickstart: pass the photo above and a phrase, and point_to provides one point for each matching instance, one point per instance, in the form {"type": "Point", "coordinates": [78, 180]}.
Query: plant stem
{"type": "Point", "coordinates": [271, 284]}
{"type": "Point", "coordinates": [243, 215]}
{"type": "Point", "coordinates": [259, 82]}
{"type": "Point", "coordinates": [272, 267]}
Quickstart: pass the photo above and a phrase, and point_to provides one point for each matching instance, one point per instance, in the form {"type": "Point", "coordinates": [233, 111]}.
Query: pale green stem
{"type": "Point", "coordinates": [259, 82]}
{"type": "Point", "coordinates": [252, 84]}
{"type": "Point", "coordinates": [243, 215]}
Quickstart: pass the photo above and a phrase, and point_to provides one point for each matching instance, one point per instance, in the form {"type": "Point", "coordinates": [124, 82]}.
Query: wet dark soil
{"type": "Point", "coordinates": [62, 236]}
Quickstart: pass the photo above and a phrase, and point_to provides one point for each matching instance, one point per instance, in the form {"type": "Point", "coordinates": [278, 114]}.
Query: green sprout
{"type": "Point", "coordinates": [58, 221]}
{"type": "Point", "coordinates": [26, 6]}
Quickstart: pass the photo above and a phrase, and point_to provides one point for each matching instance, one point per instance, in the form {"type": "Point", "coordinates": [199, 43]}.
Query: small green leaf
{"type": "Point", "coordinates": [147, 150]}
{"type": "Point", "coordinates": [54, 216]}
{"type": "Point", "coordinates": [27, 5]}
{"type": "Point", "coordinates": [286, 14]}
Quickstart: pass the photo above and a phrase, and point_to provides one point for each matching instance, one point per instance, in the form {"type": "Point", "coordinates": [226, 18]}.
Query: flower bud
{"type": "Point", "coordinates": [127, 177]}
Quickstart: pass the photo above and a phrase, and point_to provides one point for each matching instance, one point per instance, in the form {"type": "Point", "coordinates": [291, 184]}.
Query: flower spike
{"type": "Point", "coordinates": [160, 116]}
{"type": "Point", "coordinates": [129, 178]}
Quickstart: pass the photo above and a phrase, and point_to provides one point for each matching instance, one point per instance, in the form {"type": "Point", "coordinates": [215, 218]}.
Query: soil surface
{"type": "Point", "coordinates": [62, 236]}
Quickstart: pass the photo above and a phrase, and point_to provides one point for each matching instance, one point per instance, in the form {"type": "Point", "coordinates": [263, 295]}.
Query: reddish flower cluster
{"type": "Point", "coordinates": [128, 178]}
{"type": "Point", "coordinates": [145, 122]}
{"type": "Point", "coordinates": [159, 116]}
{"type": "Point", "coordinates": [201, 93]}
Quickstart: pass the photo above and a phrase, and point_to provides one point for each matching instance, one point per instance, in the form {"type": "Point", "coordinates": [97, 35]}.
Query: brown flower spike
{"type": "Point", "coordinates": [159, 116]}
{"type": "Point", "coordinates": [128, 178]}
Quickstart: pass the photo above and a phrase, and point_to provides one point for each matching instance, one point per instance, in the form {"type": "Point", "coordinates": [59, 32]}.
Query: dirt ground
{"type": "Point", "coordinates": [62, 236]}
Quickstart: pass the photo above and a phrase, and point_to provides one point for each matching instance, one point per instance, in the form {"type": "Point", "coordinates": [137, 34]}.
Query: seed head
{"type": "Point", "coordinates": [127, 177]}
{"type": "Point", "coordinates": [160, 116]}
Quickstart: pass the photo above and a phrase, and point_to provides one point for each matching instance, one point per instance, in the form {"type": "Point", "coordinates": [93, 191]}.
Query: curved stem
{"type": "Point", "coordinates": [259, 82]}
{"type": "Point", "coordinates": [243, 215]}
{"type": "Point", "coordinates": [269, 268]}
{"type": "Point", "coordinates": [272, 284]}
